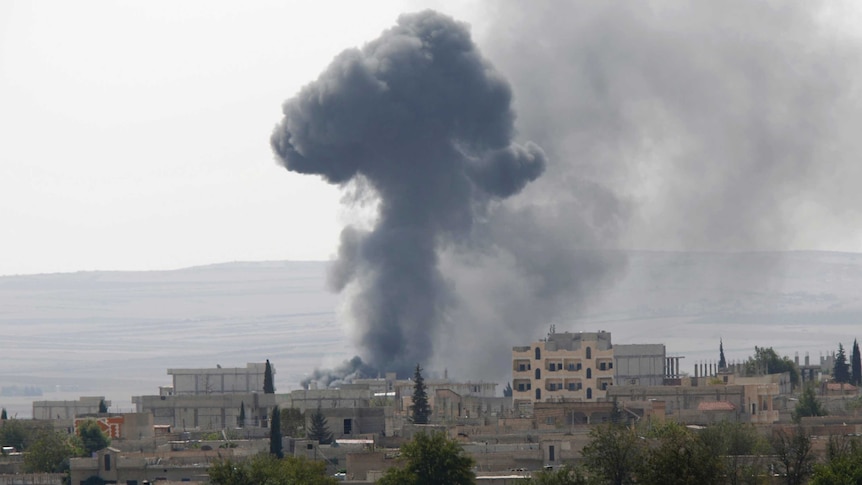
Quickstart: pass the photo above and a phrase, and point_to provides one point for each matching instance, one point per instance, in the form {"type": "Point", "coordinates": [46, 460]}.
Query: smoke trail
{"type": "Point", "coordinates": [425, 122]}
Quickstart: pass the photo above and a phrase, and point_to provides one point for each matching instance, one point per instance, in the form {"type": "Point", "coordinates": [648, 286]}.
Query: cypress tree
{"type": "Point", "coordinates": [3, 415]}
{"type": "Point", "coordinates": [319, 430]}
{"type": "Point", "coordinates": [722, 363]}
{"type": "Point", "coordinates": [856, 364]}
{"type": "Point", "coordinates": [103, 408]}
{"type": "Point", "coordinates": [275, 445]}
{"type": "Point", "coordinates": [841, 372]}
{"type": "Point", "coordinates": [241, 420]}
{"type": "Point", "coordinates": [420, 407]}
{"type": "Point", "coordinates": [268, 386]}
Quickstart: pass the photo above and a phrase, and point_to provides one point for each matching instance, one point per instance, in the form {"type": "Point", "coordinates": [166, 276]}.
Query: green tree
{"type": "Point", "coordinates": [856, 365]}
{"type": "Point", "coordinates": [808, 405]}
{"type": "Point", "coordinates": [240, 421]}
{"type": "Point", "coordinates": [613, 453]}
{"type": "Point", "coordinates": [766, 361]}
{"type": "Point", "coordinates": [275, 444]}
{"type": "Point", "coordinates": [560, 476]}
{"type": "Point", "coordinates": [793, 450]}
{"type": "Point", "coordinates": [92, 437]}
{"type": "Point", "coordinates": [319, 430]}
{"type": "Point", "coordinates": [3, 415]}
{"type": "Point", "coordinates": [678, 457]}
{"type": "Point", "coordinates": [841, 370]}
{"type": "Point", "coordinates": [843, 464]}
{"type": "Point", "coordinates": [722, 362]}
{"type": "Point", "coordinates": [50, 453]}
{"type": "Point", "coordinates": [420, 407]}
{"type": "Point", "coordinates": [268, 384]}
{"type": "Point", "coordinates": [292, 423]}
{"type": "Point", "coordinates": [742, 448]}
{"type": "Point", "coordinates": [266, 469]}
{"type": "Point", "coordinates": [13, 433]}
{"type": "Point", "coordinates": [431, 459]}
{"type": "Point", "coordinates": [103, 408]}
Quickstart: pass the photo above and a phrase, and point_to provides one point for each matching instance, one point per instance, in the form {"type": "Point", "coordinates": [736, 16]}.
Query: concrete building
{"type": "Point", "coordinates": [581, 367]}
{"type": "Point", "coordinates": [68, 410]}
{"type": "Point", "coordinates": [207, 412]}
{"type": "Point", "coordinates": [234, 380]}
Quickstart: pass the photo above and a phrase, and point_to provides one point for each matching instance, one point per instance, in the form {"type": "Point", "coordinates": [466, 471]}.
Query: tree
{"type": "Point", "coordinates": [560, 476]}
{"type": "Point", "coordinates": [268, 385]}
{"type": "Point", "coordinates": [678, 457]}
{"type": "Point", "coordinates": [103, 408]}
{"type": "Point", "coordinates": [722, 362]}
{"type": "Point", "coordinates": [507, 392]}
{"type": "Point", "coordinates": [3, 415]}
{"type": "Point", "coordinates": [267, 469]}
{"type": "Point", "coordinates": [50, 453]}
{"type": "Point", "coordinates": [743, 450]}
{"type": "Point", "coordinates": [421, 409]}
{"type": "Point", "coordinates": [319, 430]}
{"type": "Point", "coordinates": [92, 437]}
{"type": "Point", "coordinates": [431, 459]}
{"type": "Point", "coordinates": [275, 444]}
{"type": "Point", "coordinates": [793, 449]}
{"type": "Point", "coordinates": [843, 463]}
{"type": "Point", "coordinates": [767, 361]}
{"type": "Point", "coordinates": [841, 371]}
{"type": "Point", "coordinates": [856, 364]}
{"type": "Point", "coordinates": [240, 421]}
{"type": "Point", "coordinates": [808, 405]}
{"type": "Point", "coordinates": [613, 453]}
{"type": "Point", "coordinates": [13, 433]}
{"type": "Point", "coordinates": [292, 422]}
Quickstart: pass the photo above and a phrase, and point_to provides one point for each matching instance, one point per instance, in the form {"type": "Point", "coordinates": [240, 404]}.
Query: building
{"type": "Point", "coordinates": [581, 367]}
{"type": "Point", "coordinates": [68, 410]}
{"type": "Point", "coordinates": [233, 380]}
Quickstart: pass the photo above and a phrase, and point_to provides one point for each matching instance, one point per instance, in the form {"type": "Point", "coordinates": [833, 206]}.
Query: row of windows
{"type": "Point", "coordinates": [588, 351]}
{"type": "Point", "coordinates": [539, 394]}
{"type": "Point", "coordinates": [538, 373]}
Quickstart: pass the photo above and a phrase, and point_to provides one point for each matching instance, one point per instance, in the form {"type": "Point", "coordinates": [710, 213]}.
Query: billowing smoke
{"type": "Point", "coordinates": [420, 118]}
{"type": "Point", "coordinates": [347, 372]}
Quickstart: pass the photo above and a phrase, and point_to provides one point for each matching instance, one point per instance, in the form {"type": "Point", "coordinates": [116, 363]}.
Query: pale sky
{"type": "Point", "coordinates": [135, 134]}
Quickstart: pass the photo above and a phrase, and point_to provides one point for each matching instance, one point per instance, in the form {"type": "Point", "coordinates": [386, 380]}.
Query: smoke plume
{"type": "Point", "coordinates": [420, 118]}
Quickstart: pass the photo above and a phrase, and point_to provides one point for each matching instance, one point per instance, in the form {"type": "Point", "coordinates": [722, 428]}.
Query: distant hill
{"type": "Point", "coordinates": [116, 333]}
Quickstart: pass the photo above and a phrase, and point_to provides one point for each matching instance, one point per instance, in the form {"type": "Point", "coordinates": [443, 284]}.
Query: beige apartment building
{"type": "Point", "coordinates": [580, 367]}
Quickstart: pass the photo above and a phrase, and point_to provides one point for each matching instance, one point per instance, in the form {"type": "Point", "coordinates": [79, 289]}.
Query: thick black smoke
{"type": "Point", "coordinates": [422, 119]}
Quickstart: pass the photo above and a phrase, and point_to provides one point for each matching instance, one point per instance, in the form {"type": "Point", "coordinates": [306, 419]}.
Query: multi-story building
{"type": "Point", "coordinates": [581, 367]}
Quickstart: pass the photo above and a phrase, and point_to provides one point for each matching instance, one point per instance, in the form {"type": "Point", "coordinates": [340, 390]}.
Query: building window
{"type": "Point", "coordinates": [571, 386]}
{"type": "Point", "coordinates": [589, 353]}
{"type": "Point", "coordinates": [589, 373]}
{"type": "Point", "coordinates": [550, 420]}
{"type": "Point", "coordinates": [538, 353]}
{"type": "Point", "coordinates": [538, 373]}
{"type": "Point", "coordinates": [107, 463]}
{"type": "Point", "coordinates": [589, 393]}
{"type": "Point", "coordinates": [348, 426]}
{"type": "Point", "coordinates": [538, 394]}
{"type": "Point", "coordinates": [602, 366]}
{"type": "Point", "coordinates": [521, 388]}
{"type": "Point", "coordinates": [571, 366]}
{"type": "Point", "coordinates": [604, 386]}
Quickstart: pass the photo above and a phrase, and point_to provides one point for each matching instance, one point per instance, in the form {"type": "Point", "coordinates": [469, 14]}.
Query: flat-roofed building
{"type": "Point", "coordinates": [219, 380]}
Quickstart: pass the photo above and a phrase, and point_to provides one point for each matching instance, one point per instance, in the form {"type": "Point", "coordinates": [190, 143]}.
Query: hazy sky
{"type": "Point", "coordinates": [136, 134]}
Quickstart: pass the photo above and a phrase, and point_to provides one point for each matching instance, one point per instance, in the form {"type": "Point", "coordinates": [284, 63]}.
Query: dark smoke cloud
{"type": "Point", "coordinates": [422, 119]}
{"type": "Point", "coordinates": [709, 126]}
{"type": "Point", "coordinates": [346, 373]}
